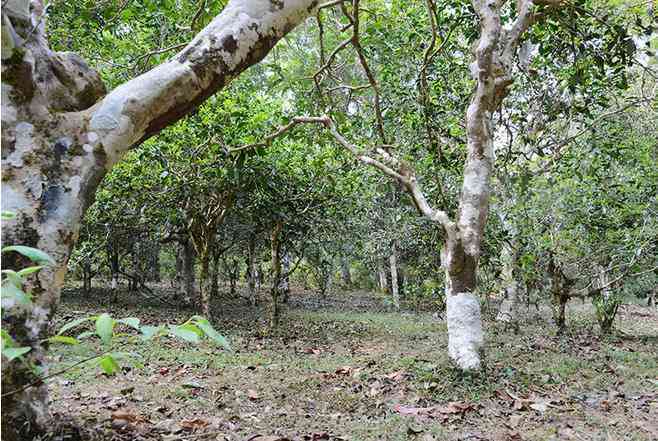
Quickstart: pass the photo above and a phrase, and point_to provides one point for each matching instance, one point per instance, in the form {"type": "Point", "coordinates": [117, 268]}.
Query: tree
{"type": "Point", "coordinates": [51, 115]}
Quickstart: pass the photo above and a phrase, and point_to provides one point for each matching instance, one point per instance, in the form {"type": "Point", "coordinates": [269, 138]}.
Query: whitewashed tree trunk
{"type": "Point", "coordinates": [383, 282]}
{"type": "Point", "coordinates": [58, 143]}
{"type": "Point", "coordinates": [393, 264]}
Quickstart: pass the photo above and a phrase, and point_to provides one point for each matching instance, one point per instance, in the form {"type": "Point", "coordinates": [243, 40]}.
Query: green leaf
{"type": "Point", "coordinates": [6, 215]}
{"type": "Point", "coordinates": [109, 364]}
{"type": "Point", "coordinates": [184, 334]}
{"type": "Point", "coordinates": [212, 334]}
{"type": "Point", "coordinates": [105, 327]}
{"type": "Point", "coordinates": [13, 353]}
{"type": "Point", "coordinates": [133, 322]}
{"type": "Point", "coordinates": [63, 339]}
{"type": "Point", "coordinates": [74, 323]}
{"type": "Point", "coordinates": [33, 254]}
{"type": "Point", "coordinates": [148, 332]}
{"type": "Point", "coordinates": [29, 270]}
{"type": "Point", "coordinates": [85, 334]}
{"type": "Point", "coordinates": [11, 291]}
{"type": "Point", "coordinates": [14, 277]}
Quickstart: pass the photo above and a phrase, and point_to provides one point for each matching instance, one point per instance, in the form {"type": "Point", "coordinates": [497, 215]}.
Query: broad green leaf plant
{"type": "Point", "coordinates": [108, 330]}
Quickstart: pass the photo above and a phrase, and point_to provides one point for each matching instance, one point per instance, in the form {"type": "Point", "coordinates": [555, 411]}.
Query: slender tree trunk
{"type": "Point", "coordinates": [234, 272]}
{"type": "Point", "coordinates": [154, 249]}
{"type": "Point", "coordinates": [285, 277]}
{"type": "Point", "coordinates": [214, 282]}
{"type": "Point", "coordinates": [251, 271]}
{"type": "Point", "coordinates": [205, 286]}
{"type": "Point", "coordinates": [559, 295]}
{"type": "Point", "coordinates": [346, 277]}
{"type": "Point", "coordinates": [86, 275]}
{"type": "Point", "coordinates": [507, 311]}
{"type": "Point", "coordinates": [276, 273]}
{"type": "Point", "coordinates": [178, 277]}
{"type": "Point", "coordinates": [383, 282]}
{"type": "Point", "coordinates": [393, 262]}
{"type": "Point", "coordinates": [189, 261]}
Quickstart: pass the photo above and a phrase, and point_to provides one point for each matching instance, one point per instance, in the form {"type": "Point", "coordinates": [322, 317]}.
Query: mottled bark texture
{"type": "Point", "coordinates": [58, 141]}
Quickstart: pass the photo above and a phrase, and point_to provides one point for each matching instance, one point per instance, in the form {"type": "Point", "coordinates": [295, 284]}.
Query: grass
{"type": "Point", "coordinates": [343, 371]}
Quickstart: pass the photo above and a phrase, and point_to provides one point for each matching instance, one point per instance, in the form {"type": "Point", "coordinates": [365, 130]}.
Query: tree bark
{"type": "Point", "coordinates": [251, 271]}
{"type": "Point", "coordinates": [86, 275]}
{"type": "Point", "coordinates": [189, 262]}
{"type": "Point", "coordinates": [507, 311]}
{"type": "Point", "coordinates": [285, 277]}
{"type": "Point", "coordinates": [393, 263]}
{"type": "Point", "coordinates": [50, 114]}
{"type": "Point", "coordinates": [205, 286]}
{"type": "Point", "coordinates": [214, 286]}
{"type": "Point", "coordinates": [275, 245]}
{"type": "Point", "coordinates": [346, 276]}
{"type": "Point", "coordinates": [383, 282]}
{"type": "Point", "coordinates": [179, 268]}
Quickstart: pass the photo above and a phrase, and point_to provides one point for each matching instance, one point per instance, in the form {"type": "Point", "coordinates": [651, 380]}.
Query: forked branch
{"type": "Point", "coordinates": [378, 158]}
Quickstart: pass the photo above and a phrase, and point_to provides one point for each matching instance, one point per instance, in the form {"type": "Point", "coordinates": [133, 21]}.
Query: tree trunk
{"type": "Point", "coordinates": [86, 275]}
{"type": "Point", "coordinates": [178, 277]}
{"type": "Point", "coordinates": [234, 273]}
{"type": "Point", "coordinates": [154, 261]}
{"type": "Point", "coordinates": [393, 262]}
{"type": "Point", "coordinates": [507, 311]}
{"type": "Point", "coordinates": [251, 271]}
{"type": "Point", "coordinates": [346, 277]}
{"type": "Point", "coordinates": [205, 286]}
{"type": "Point", "coordinates": [285, 277]}
{"type": "Point", "coordinates": [559, 295]}
{"type": "Point", "coordinates": [50, 115]}
{"type": "Point", "coordinates": [465, 336]}
{"type": "Point", "coordinates": [214, 282]}
{"type": "Point", "coordinates": [383, 282]}
{"type": "Point", "coordinates": [189, 261]}
{"type": "Point", "coordinates": [276, 273]}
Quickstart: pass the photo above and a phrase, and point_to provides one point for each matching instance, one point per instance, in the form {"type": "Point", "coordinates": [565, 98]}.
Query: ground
{"type": "Point", "coordinates": [346, 368]}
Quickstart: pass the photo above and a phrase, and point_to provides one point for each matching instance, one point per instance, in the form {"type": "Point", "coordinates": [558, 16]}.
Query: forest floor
{"type": "Point", "coordinates": [346, 368]}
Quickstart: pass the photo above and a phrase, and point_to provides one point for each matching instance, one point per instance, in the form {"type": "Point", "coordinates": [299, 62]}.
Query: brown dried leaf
{"type": "Point", "coordinates": [345, 370]}
{"type": "Point", "coordinates": [396, 376]}
{"type": "Point", "coordinates": [194, 424]}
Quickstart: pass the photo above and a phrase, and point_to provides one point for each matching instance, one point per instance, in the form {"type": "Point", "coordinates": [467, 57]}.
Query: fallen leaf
{"type": "Point", "coordinates": [454, 407]}
{"type": "Point", "coordinates": [539, 406]}
{"type": "Point", "coordinates": [514, 421]}
{"type": "Point", "coordinates": [267, 438]}
{"type": "Point", "coordinates": [345, 370]}
{"type": "Point", "coordinates": [194, 424]}
{"type": "Point", "coordinates": [193, 385]}
{"type": "Point", "coordinates": [128, 416]}
{"type": "Point", "coordinates": [396, 376]}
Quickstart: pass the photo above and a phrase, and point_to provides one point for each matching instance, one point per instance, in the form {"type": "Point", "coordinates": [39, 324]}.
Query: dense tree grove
{"type": "Point", "coordinates": [476, 160]}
